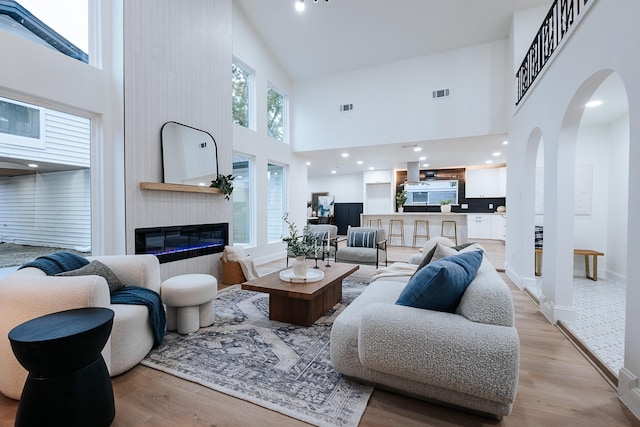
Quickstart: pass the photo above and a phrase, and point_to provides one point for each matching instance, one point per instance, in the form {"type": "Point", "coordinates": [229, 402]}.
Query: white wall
{"type": "Point", "coordinates": [177, 58]}
{"type": "Point", "coordinates": [393, 102]}
{"type": "Point", "coordinates": [250, 49]}
{"type": "Point", "coordinates": [346, 188]}
{"type": "Point", "coordinates": [618, 202]}
{"type": "Point", "coordinates": [552, 110]}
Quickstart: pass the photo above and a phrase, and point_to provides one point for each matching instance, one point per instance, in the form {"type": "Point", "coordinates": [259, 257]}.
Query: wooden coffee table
{"type": "Point", "coordinates": [302, 303]}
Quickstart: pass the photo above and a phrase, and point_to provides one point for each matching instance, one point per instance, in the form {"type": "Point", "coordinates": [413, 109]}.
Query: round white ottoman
{"type": "Point", "coordinates": [189, 300]}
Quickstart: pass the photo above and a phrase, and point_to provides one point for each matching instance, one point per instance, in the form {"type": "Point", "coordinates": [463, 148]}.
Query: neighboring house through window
{"type": "Point", "coordinates": [275, 201]}
{"type": "Point", "coordinates": [242, 199]}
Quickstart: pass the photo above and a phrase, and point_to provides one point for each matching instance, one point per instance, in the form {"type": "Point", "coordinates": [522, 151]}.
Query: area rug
{"type": "Point", "coordinates": [282, 367]}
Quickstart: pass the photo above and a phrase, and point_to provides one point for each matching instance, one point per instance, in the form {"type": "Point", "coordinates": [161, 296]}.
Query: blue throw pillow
{"type": "Point", "coordinates": [440, 284]}
{"type": "Point", "coordinates": [362, 239]}
{"type": "Point", "coordinates": [321, 237]}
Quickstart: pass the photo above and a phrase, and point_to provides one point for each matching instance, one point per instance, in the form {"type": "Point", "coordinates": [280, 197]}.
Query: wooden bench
{"type": "Point", "coordinates": [585, 252]}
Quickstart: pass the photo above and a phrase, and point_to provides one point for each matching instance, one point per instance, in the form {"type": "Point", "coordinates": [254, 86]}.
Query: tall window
{"type": "Point", "coordinates": [45, 190]}
{"type": "Point", "coordinates": [242, 197]}
{"type": "Point", "coordinates": [275, 202]}
{"type": "Point", "coordinates": [276, 114]}
{"type": "Point", "coordinates": [242, 81]}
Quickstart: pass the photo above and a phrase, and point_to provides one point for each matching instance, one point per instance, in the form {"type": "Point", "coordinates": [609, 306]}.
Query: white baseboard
{"type": "Point", "coordinates": [617, 277]}
{"type": "Point", "coordinates": [628, 391]}
{"type": "Point", "coordinates": [515, 277]}
{"type": "Point", "coordinates": [554, 312]}
{"type": "Point", "coordinates": [270, 258]}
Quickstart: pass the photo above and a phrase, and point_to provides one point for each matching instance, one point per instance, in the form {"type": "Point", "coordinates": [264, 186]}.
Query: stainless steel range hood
{"type": "Point", "coordinates": [413, 172]}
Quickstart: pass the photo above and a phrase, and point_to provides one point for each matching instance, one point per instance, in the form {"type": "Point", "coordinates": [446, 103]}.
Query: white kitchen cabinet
{"type": "Point", "coordinates": [486, 183]}
{"type": "Point", "coordinates": [377, 177]}
{"type": "Point", "coordinates": [479, 226]}
{"type": "Point", "coordinates": [498, 226]}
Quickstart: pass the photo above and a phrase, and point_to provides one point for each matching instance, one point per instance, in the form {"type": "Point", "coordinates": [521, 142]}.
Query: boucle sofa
{"type": "Point", "coordinates": [467, 359]}
{"type": "Point", "coordinates": [29, 293]}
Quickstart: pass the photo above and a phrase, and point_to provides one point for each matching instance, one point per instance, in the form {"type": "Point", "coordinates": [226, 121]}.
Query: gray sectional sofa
{"type": "Point", "coordinates": [467, 359]}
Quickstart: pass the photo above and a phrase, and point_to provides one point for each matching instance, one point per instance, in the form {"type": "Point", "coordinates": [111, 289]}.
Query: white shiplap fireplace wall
{"type": "Point", "coordinates": [177, 67]}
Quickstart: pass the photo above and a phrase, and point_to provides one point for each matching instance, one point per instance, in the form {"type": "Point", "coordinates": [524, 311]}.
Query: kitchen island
{"type": "Point", "coordinates": [435, 225]}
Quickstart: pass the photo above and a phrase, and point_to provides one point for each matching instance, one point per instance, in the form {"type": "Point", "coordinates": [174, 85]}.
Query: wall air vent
{"type": "Point", "coordinates": [440, 93]}
{"type": "Point", "coordinates": [346, 107]}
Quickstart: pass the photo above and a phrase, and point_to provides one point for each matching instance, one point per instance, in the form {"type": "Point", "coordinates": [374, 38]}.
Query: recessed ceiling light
{"type": "Point", "coordinates": [417, 149]}
{"type": "Point", "coordinates": [32, 165]}
{"type": "Point", "coordinates": [489, 162]}
{"type": "Point", "coordinates": [359, 162]}
{"type": "Point", "coordinates": [299, 5]}
{"type": "Point", "coordinates": [202, 184]}
{"type": "Point", "coordinates": [370, 168]}
{"type": "Point", "coordinates": [308, 163]}
{"type": "Point", "coordinates": [334, 171]}
{"type": "Point", "coordinates": [593, 103]}
{"type": "Point", "coordinates": [505, 142]}
{"type": "Point", "coordinates": [425, 165]}
{"type": "Point", "coordinates": [345, 155]}
{"type": "Point", "coordinates": [496, 154]}
{"type": "Point", "coordinates": [422, 158]}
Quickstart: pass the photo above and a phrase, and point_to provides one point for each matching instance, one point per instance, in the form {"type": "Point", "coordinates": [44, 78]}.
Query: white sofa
{"type": "Point", "coordinates": [468, 359]}
{"type": "Point", "coordinates": [29, 293]}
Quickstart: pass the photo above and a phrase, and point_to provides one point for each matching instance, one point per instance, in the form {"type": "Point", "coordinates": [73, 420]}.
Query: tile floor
{"type": "Point", "coordinates": [600, 317]}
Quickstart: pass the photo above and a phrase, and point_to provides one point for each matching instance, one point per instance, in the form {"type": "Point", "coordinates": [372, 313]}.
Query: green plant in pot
{"type": "Point", "coordinates": [401, 199]}
{"type": "Point", "coordinates": [445, 205]}
{"type": "Point", "coordinates": [224, 183]}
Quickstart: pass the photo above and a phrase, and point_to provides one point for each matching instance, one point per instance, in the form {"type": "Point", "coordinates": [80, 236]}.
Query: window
{"type": "Point", "coordinates": [45, 194]}
{"type": "Point", "coordinates": [276, 114]}
{"type": "Point", "coordinates": [21, 124]}
{"type": "Point", "coordinates": [66, 28]}
{"type": "Point", "coordinates": [275, 202]}
{"type": "Point", "coordinates": [242, 199]}
{"type": "Point", "coordinates": [242, 82]}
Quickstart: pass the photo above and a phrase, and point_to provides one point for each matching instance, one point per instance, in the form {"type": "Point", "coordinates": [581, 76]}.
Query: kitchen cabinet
{"type": "Point", "coordinates": [486, 183]}
{"type": "Point", "coordinates": [498, 226]}
{"type": "Point", "coordinates": [479, 226]}
{"type": "Point", "coordinates": [374, 177]}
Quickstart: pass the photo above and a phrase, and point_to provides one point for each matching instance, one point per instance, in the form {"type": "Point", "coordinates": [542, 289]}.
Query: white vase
{"type": "Point", "coordinates": [300, 266]}
{"type": "Point", "coordinates": [400, 209]}
{"type": "Point", "coordinates": [445, 208]}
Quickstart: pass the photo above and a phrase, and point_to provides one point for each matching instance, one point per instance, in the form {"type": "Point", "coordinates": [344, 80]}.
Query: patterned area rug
{"type": "Point", "coordinates": [279, 366]}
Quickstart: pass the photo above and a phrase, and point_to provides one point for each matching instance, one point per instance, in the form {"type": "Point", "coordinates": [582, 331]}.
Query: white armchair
{"type": "Point", "coordinates": [29, 293]}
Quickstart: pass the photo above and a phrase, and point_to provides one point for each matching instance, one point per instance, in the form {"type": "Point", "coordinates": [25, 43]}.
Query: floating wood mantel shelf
{"type": "Point", "coordinates": [160, 186]}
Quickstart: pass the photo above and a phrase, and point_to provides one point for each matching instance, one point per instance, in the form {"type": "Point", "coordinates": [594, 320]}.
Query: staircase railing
{"type": "Point", "coordinates": [561, 16]}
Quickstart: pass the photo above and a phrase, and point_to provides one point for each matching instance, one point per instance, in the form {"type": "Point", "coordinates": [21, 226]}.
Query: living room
{"type": "Point", "coordinates": [175, 78]}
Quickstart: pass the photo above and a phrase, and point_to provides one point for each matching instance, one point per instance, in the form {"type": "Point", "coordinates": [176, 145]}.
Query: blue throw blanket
{"type": "Point", "coordinates": [142, 296]}
{"type": "Point", "coordinates": [59, 262]}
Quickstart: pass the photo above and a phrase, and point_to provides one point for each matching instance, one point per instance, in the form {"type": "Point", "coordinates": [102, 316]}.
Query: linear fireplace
{"type": "Point", "coordinates": [182, 241]}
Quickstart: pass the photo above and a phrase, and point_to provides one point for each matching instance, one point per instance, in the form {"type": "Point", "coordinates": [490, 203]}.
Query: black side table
{"type": "Point", "coordinates": [68, 382]}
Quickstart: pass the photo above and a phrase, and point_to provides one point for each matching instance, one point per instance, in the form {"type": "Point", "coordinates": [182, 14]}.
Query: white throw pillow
{"type": "Point", "coordinates": [434, 241]}
{"type": "Point", "coordinates": [443, 251]}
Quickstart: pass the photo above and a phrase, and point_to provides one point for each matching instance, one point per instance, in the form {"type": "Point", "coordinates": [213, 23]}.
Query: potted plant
{"type": "Point", "coordinates": [224, 183]}
{"type": "Point", "coordinates": [445, 205]}
{"type": "Point", "coordinates": [299, 245]}
{"type": "Point", "coordinates": [401, 199]}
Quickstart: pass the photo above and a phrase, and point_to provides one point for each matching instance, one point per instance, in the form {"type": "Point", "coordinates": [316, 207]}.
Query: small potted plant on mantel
{"type": "Point", "coordinates": [401, 199]}
{"type": "Point", "coordinates": [224, 183]}
{"type": "Point", "coordinates": [445, 205]}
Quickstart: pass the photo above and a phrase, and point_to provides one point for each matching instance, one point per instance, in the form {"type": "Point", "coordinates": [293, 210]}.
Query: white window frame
{"type": "Point", "coordinates": [285, 198]}
{"type": "Point", "coordinates": [251, 98]}
{"type": "Point", "coordinates": [285, 113]}
{"type": "Point", "coordinates": [251, 201]}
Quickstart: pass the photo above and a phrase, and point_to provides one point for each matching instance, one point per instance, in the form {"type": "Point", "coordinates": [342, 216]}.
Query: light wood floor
{"type": "Point", "coordinates": [558, 387]}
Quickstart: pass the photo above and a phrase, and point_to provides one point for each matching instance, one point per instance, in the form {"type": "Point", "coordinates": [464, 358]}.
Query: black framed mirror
{"type": "Point", "coordinates": [189, 155]}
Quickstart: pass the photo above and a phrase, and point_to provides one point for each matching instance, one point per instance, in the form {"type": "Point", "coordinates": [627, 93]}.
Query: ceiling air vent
{"type": "Point", "coordinates": [440, 93]}
{"type": "Point", "coordinates": [346, 107]}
